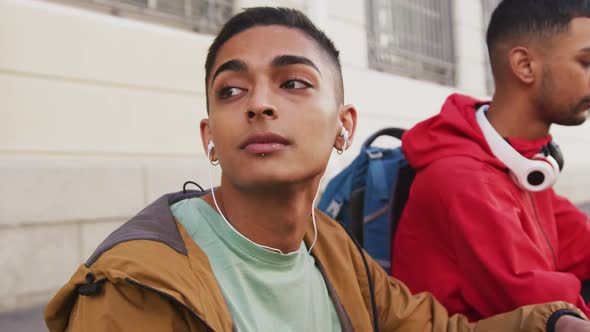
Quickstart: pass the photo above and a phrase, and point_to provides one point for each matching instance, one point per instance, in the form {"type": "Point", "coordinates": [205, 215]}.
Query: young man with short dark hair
{"type": "Point", "coordinates": [482, 229]}
{"type": "Point", "coordinates": [253, 254]}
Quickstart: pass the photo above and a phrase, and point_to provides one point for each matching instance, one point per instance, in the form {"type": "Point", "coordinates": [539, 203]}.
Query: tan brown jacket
{"type": "Point", "coordinates": [149, 275]}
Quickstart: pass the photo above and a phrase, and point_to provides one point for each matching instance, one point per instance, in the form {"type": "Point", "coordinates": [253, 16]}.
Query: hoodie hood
{"type": "Point", "coordinates": [455, 132]}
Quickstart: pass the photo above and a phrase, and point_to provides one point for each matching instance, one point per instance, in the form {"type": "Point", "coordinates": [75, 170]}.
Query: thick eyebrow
{"type": "Point", "coordinates": [585, 50]}
{"type": "Point", "coordinates": [287, 60]}
{"type": "Point", "coordinates": [231, 65]}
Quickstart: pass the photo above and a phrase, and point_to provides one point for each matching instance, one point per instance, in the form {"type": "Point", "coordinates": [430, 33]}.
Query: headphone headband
{"type": "Point", "coordinates": [529, 174]}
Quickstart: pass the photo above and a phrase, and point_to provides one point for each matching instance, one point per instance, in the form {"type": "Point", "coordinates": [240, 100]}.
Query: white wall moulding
{"type": "Point", "coordinates": [88, 47]}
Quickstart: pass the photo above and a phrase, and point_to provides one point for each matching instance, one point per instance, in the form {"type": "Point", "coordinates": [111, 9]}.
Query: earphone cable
{"type": "Point", "coordinates": [315, 230]}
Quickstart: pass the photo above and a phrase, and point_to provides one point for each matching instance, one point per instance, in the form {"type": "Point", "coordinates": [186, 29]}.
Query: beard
{"type": "Point", "coordinates": [581, 111]}
{"type": "Point", "coordinates": [573, 115]}
{"type": "Point", "coordinates": [559, 110]}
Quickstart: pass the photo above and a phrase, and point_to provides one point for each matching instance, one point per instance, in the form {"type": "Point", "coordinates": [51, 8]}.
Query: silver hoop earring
{"type": "Point", "coordinates": [214, 162]}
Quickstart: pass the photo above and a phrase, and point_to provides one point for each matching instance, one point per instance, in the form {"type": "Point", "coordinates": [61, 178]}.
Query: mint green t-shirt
{"type": "Point", "coordinates": [264, 290]}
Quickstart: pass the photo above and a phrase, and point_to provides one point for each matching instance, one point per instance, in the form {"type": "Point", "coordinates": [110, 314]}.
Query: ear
{"type": "Point", "coordinates": [348, 118]}
{"type": "Point", "coordinates": [523, 64]}
{"type": "Point", "coordinates": [206, 136]}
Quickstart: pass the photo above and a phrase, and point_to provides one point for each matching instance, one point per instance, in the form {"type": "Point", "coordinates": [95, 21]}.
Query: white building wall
{"type": "Point", "coordinates": [99, 115]}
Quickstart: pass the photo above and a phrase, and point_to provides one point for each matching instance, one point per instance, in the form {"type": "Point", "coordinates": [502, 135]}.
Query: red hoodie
{"type": "Point", "coordinates": [469, 235]}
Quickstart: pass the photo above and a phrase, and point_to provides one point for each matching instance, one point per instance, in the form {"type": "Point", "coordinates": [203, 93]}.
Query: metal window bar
{"type": "Point", "coordinates": [412, 38]}
{"type": "Point", "coordinates": [205, 16]}
{"type": "Point", "coordinates": [487, 8]}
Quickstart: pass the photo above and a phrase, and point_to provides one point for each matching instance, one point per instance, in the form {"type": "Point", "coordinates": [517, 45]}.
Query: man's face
{"type": "Point", "coordinates": [273, 111]}
{"type": "Point", "coordinates": [564, 92]}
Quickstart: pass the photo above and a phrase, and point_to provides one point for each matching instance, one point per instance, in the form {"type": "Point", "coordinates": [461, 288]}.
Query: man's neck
{"type": "Point", "coordinates": [274, 217]}
{"type": "Point", "coordinates": [515, 116]}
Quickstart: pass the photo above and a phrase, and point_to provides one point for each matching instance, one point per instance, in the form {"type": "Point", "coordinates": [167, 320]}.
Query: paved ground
{"type": "Point", "coordinates": [31, 320]}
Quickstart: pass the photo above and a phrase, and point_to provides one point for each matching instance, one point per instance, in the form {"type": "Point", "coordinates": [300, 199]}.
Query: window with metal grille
{"type": "Point", "coordinates": [412, 38]}
{"type": "Point", "coordinates": [487, 8]}
{"type": "Point", "coordinates": [205, 16]}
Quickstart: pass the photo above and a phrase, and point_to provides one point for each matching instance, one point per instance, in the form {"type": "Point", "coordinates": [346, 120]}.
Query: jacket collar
{"type": "Point", "coordinates": [155, 223]}
{"type": "Point", "coordinates": [188, 281]}
{"type": "Point", "coordinates": [200, 290]}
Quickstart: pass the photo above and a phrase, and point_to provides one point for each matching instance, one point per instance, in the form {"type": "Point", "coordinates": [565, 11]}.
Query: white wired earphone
{"type": "Point", "coordinates": [343, 133]}
{"type": "Point", "coordinates": [211, 146]}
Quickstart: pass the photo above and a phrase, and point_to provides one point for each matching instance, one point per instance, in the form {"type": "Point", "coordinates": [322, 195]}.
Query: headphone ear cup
{"type": "Point", "coordinates": [541, 174]}
{"type": "Point", "coordinates": [548, 160]}
{"type": "Point", "coordinates": [556, 154]}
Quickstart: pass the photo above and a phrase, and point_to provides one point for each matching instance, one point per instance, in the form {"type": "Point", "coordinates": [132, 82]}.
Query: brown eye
{"type": "Point", "coordinates": [295, 84]}
{"type": "Point", "coordinates": [229, 92]}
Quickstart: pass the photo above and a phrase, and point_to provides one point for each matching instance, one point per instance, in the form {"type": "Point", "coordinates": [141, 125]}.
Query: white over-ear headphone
{"type": "Point", "coordinates": [343, 133]}
{"type": "Point", "coordinates": [529, 174]}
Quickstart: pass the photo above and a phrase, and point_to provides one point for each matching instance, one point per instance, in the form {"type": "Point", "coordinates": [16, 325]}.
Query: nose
{"type": "Point", "coordinates": [260, 105]}
{"type": "Point", "coordinates": [268, 112]}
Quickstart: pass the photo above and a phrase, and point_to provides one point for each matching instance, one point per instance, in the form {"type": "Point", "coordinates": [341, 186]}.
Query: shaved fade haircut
{"type": "Point", "coordinates": [532, 19]}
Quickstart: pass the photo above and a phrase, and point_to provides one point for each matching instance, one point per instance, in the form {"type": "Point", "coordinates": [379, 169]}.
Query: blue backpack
{"type": "Point", "coordinates": [368, 196]}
